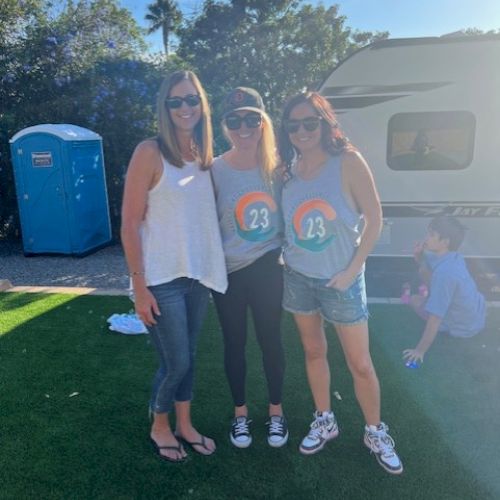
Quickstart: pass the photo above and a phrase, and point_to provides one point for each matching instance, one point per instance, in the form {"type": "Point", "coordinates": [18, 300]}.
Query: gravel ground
{"type": "Point", "coordinates": [105, 268]}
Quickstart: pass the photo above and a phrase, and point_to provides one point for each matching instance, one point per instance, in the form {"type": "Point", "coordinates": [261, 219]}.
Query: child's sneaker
{"type": "Point", "coordinates": [240, 432]}
{"type": "Point", "coordinates": [277, 431]}
{"type": "Point", "coordinates": [323, 428]}
{"type": "Point", "coordinates": [382, 445]}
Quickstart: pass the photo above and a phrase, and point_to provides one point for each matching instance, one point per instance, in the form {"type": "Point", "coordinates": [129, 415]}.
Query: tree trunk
{"type": "Point", "coordinates": [166, 36]}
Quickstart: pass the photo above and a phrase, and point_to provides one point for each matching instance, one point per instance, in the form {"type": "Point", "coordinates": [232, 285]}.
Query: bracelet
{"type": "Point", "coordinates": [138, 273]}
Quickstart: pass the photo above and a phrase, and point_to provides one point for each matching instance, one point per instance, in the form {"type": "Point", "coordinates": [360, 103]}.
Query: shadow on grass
{"type": "Point", "coordinates": [94, 444]}
{"type": "Point", "coordinates": [13, 301]}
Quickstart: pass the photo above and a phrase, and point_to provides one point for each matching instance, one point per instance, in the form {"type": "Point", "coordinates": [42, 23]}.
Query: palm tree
{"type": "Point", "coordinates": [164, 14]}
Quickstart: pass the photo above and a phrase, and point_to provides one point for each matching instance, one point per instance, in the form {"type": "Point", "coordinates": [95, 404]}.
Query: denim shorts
{"type": "Point", "coordinates": [304, 295]}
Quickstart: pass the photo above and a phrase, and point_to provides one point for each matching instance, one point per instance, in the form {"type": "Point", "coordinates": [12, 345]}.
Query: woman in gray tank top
{"type": "Point", "coordinates": [332, 219]}
{"type": "Point", "coordinates": [251, 226]}
{"type": "Point", "coordinates": [174, 252]}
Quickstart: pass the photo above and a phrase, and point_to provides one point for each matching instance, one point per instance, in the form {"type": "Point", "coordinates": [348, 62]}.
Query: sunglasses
{"type": "Point", "coordinates": [252, 120]}
{"type": "Point", "coordinates": [192, 100]}
{"type": "Point", "coordinates": [311, 123]}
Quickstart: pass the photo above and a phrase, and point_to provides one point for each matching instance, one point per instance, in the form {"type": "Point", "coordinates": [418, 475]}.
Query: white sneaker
{"type": "Point", "coordinates": [240, 432]}
{"type": "Point", "coordinates": [323, 428]}
{"type": "Point", "coordinates": [277, 432]}
{"type": "Point", "coordinates": [382, 445]}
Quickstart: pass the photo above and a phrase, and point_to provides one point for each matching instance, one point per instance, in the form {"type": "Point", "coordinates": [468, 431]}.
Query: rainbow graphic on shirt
{"type": "Point", "coordinates": [312, 225]}
{"type": "Point", "coordinates": [256, 216]}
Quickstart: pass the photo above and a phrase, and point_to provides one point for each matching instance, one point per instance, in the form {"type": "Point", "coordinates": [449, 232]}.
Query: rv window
{"type": "Point", "coordinates": [431, 141]}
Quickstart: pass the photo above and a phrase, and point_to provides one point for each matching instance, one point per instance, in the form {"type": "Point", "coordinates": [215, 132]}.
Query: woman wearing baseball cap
{"type": "Point", "coordinates": [250, 226]}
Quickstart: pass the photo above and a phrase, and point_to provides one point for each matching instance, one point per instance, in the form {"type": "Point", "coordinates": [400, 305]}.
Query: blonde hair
{"type": "Point", "coordinates": [266, 149]}
{"type": "Point", "coordinates": [201, 146]}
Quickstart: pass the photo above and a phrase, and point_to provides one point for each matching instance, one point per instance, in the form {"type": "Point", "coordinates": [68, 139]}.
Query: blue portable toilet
{"type": "Point", "coordinates": [61, 189]}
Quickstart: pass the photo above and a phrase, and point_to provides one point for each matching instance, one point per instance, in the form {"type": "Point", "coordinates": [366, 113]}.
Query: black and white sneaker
{"type": "Point", "coordinates": [382, 446]}
{"type": "Point", "coordinates": [277, 431]}
{"type": "Point", "coordinates": [240, 432]}
{"type": "Point", "coordinates": [323, 428]}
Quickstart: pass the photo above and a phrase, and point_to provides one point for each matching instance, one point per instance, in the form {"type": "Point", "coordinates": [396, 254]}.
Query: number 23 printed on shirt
{"type": "Point", "coordinates": [256, 216]}
{"type": "Point", "coordinates": [313, 225]}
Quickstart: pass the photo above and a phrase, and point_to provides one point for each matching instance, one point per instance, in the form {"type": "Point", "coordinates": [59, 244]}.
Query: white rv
{"type": "Point", "coordinates": [425, 113]}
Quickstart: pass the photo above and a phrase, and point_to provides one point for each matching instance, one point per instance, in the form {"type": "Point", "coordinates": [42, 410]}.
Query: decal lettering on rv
{"type": "Point", "coordinates": [422, 210]}
{"type": "Point", "coordinates": [492, 212]}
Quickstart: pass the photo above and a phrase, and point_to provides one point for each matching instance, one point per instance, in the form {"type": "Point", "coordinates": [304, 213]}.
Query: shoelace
{"type": "Point", "coordinates": [317, 428]}
{"type": "Point", "coordinates": [384, 443]}
{"type": "Point", "coordinates": [276, 426]}
{"type": "Point", "coordinates": [241, 427]}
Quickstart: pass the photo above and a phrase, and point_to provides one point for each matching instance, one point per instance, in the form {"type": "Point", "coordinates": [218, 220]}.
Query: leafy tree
{"type": "Point", "coordinates": [164, 15]}
{"type": "Point", "coordinates": [121, 107]}
{"type": "Point", "coordinates": [277, 47]}
{"type": "Point", "coordinates": [15, 18]}
{"type": "Point", "coordinates": [82, 66]}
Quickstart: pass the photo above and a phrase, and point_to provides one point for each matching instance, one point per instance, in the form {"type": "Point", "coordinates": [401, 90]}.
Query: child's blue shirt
{"type": "Point", "coordinates": [453, 295]}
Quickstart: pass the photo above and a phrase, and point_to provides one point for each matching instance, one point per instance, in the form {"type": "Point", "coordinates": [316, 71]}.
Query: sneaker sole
{"type": "Point", "coordinates": [239, 444]}
{"type": "Point", "coordinates": [279, 444]}
{"type": "Point", "coordinates": [382, 464]}
{"type": "Point", "coordinates": [312, 451]}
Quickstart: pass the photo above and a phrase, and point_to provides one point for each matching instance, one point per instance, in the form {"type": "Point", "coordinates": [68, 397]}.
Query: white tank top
{"type": "Point", "coordinates": [180, 232]}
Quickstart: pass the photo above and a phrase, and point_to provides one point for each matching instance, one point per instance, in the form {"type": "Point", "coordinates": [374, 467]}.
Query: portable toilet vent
{"type": "Point", "coordinates": [61, 189]}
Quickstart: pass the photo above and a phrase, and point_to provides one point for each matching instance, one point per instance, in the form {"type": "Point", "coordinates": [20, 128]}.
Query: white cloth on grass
{"type": "Point", "coordinates": [129, 324]}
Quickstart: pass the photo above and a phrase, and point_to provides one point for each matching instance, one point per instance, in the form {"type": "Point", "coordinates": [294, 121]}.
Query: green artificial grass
{"type": "Point", "coordinates": [73, 413]}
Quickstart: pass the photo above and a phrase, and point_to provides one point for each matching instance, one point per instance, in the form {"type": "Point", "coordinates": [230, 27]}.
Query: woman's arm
{"type": "Point", "coordinates": [142, 174]}
{"type": "Point", "coordinates": [360, 188]}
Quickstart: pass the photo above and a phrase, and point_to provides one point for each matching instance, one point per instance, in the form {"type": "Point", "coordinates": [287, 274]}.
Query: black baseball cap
{"type": "Point", "coordinates": [243, 99]}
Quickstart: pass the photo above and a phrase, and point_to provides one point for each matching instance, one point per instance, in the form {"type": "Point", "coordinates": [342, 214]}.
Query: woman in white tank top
{"type": "Point", "coordinates": [174, 252]}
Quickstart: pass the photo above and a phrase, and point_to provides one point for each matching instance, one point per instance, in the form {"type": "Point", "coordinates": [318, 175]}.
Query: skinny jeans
{"type": "Point", "coordinates": [258, 287]}
{"type": "Point", "coordinates": [183, 304]}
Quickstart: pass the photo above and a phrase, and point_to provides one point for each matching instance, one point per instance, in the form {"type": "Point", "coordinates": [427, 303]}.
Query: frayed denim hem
{"type": "Point", "coordinates": [305, 313]}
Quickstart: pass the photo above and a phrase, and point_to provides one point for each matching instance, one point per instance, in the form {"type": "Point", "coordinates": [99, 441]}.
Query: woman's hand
{"type": "Point", "coordinates": [342, 281]}
{"type": "Point", "coordinates": [146, 306]}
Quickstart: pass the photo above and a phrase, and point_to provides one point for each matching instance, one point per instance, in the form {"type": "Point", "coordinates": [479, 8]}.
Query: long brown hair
{"type": "Point", "coordinates": [333, 140]}
{"type": "Point", "coordinates": [202, 147]}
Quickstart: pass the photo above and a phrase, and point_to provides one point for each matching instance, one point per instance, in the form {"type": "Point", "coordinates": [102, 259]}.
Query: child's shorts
{"type": "Point", "coordinates": [305, 295]}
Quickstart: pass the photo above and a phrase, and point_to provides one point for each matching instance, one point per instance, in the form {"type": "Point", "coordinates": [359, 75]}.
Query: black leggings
{"type": "Point", "coordinates": [259, 286]}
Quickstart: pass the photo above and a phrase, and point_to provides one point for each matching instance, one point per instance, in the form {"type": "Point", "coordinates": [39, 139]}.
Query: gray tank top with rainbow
{"type": "Point", "coordinates": [249, 217]}
{"type": "Point", "coordinates": [322, 230]}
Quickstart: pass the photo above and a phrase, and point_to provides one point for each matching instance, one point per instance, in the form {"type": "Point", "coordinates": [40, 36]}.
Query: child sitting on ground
{"type": "Point", "coordinates": [454, 304]}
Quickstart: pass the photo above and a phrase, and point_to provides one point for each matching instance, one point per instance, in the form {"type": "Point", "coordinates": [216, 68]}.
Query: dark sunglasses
{"type": "Point", "coordinates": [252, 120]}
{"type": "Point", "coordinates": [191, 100]}
{"type": "Point", "coordinates": [311, 123]}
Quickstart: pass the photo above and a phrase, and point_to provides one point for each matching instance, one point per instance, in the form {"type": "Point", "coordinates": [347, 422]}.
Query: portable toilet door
{"type": "Point", "coordinates": [87, 196]}
{"type": "Point", "coordinates": [42, 161]}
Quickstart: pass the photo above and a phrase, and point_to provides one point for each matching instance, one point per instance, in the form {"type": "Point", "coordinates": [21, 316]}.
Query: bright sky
{"type": "Point", "coordinates": [401, 18]}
